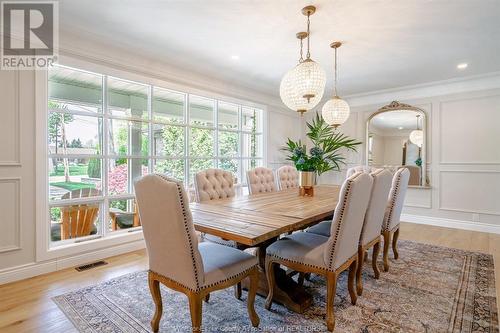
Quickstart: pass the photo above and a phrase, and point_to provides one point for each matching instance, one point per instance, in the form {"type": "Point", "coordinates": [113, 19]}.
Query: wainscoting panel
{"type": "Point", "coordinates": [10, 124]}
{"type": "Point", "coordinates": [470, 191]}
{"type": "Point", "coordinates": [470, 130]}
{"type": "Point", "coordinates": [419, 197]}
{"type": "Point", "coordinates": [10, 219]}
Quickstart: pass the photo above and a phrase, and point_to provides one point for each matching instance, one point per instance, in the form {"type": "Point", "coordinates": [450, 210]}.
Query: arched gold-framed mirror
{"type": "Point", "coordinates": [396, 137]}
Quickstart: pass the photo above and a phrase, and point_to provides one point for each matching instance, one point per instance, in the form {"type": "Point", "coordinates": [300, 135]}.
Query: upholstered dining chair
{"type": "Point", "coordinates": [373, 220]}
{"type": "Point", "coordinates": [328, 256]}
{"type": "Point", "coordinates": [358, 168]}
{"type": "Point", "coordinates": [392, 216]}
{"type": "Point", "coordinates": [175, 257]}
{"type": "Point", "coordinates": [214, 184]}
{"type": "Point", "coordinates": [261, 180]}
{"type": "Point", "coordinates": [288, 177]}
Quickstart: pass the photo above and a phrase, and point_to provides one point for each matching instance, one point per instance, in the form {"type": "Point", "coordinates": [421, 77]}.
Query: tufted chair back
{"type": "Point", "coordinates": [168, 230]}
{"type": "Point", "coordinates": [358, 168]}
{"type": "Point", "coordinates": [396, 199]}
{"type": "Point", "coordinates": [348, 220]}
{"type": "Point", "coordinates": [374, 217]}
{"type": "Point", "coordinates": [214, 184]}
{"type": "Point", "coordinates": [288, 177]}
{"type": "Point", "coordinates": [261, 180]}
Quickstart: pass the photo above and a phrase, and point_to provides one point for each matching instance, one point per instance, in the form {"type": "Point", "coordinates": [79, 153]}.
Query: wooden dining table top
{"type": "Point", "coordinates": [253, 219]}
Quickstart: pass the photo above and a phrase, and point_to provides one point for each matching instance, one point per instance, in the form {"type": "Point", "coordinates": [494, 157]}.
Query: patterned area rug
{"type": "Point", "coordinates": [429, 289]}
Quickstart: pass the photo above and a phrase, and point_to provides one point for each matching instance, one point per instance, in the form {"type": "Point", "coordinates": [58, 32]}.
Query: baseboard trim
{"type": "Point", "coordinates": [35, 269]}
{"type": "Point", "coordinates": [449, 223]}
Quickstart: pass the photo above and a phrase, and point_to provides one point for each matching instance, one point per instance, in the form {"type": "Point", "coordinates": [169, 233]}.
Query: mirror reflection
{"type": "Point", "coordinates": [396, 139]}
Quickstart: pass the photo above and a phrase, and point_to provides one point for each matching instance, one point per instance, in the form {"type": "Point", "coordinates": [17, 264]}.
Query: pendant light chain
{"type": "Point", "coordinates": [301, 59]}
{"type": "Point", "coordinates": [335, 73]}
{"type": "Point", "coordinates": [308, 56]}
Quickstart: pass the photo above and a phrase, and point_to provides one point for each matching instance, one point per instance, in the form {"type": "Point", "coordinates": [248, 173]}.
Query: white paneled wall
{"type": "Point", "coordinates": [463, 152]}
{"type": "Point", "coordinates": [17, 183]}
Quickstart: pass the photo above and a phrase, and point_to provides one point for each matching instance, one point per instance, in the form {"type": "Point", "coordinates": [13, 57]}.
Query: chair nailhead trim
{"type": "Point", "coordinates": [393, 201]}
{"type": "Point", "coordinates": [341, 218]}
{"type": "Point", "coordinates": [300, 262]}
{"type": "Point", "coordinates": [186, 227]}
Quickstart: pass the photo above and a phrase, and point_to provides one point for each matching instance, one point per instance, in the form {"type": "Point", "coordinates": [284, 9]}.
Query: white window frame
{"type": "Point", "coordinates": [123, 237]}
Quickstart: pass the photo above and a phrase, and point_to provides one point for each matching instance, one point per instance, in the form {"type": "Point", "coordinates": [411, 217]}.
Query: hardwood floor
{"type": "Point", "coordinates": [26, 306]}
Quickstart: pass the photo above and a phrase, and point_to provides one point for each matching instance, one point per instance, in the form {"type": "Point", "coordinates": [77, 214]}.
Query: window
{"type": "Point", "coordinates": [105, 132]}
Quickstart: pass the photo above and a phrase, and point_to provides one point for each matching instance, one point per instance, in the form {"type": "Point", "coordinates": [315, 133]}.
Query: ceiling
{"type": "Point", "coordinates": [388, 43]}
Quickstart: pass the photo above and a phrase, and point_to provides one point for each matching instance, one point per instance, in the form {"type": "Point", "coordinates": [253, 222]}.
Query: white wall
{"type": "Point", "coordinates": [18, 137]}
{"type": "Point", "coordinates": [463, 151]}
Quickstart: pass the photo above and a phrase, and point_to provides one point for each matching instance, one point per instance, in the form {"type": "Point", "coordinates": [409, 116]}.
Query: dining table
{"type": "Point", "coordinates": [256, 221]}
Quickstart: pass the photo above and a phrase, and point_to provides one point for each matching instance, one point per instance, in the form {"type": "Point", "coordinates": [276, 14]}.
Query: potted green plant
{"type": "Point", "coordinates": [326, 153]}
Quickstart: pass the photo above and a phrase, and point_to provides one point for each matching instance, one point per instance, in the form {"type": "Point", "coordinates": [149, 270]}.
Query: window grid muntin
{"type": "Point", "coordinates": [104, 114]}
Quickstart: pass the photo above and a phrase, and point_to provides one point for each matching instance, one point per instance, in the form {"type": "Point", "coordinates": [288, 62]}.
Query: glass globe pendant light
{"type": "Point", "coordinates": [336, 111]}
{"type": "Point", "coordinates": [302, 87]}
{"type": "Point", "coordinates": [288, 92]}
{"type": "Point", "coordinates": [309, 77]}
{"type": "Point", "coordinates": [417, 135]}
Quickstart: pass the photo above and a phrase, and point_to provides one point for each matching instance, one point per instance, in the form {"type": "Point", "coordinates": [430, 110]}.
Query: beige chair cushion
{"type": "Point", "coordinates": [168, 230]}
{"type": "Point", "coordinates": [359, 168]}
{"type": "Point", "coordinates": [213, 184]}
{"type": "Point", "coordinates": [348, 220]}
{"type": "Point", "coordinates": [261, 180]}
{"type": "Point", "coordinates": [396, 199]}
{"type": "Point", "coordinates": [288, 177]}
{"type": "Point", "coordinates": [322, 228]}
{"type": "Point", "coordinates": [301, 247]}
{"type": "Point", "coordinates": [222, 263]}
{"type": "Point", "coordinates": [376, 208]}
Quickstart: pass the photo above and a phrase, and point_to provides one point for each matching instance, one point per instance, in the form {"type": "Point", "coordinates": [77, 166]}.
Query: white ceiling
{"type": "Point", "coordinates": [388, 43]}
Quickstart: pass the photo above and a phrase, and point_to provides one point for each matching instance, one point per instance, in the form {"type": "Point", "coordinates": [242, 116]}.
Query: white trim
{"type": "Point", "coordinates": [427, 90]}
{"type": "Point", "coordinates": [35, 269]}
{"type": "Point", "coordinates": [17, 212]}
{"type": "Point", "coordinates": [450, 223]}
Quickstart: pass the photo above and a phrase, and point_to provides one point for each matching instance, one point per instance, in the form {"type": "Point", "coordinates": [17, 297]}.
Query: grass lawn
{"type": "Point", "coordinates": [74, 170]}
{"type": "Point", "coordinates": [71, 186]}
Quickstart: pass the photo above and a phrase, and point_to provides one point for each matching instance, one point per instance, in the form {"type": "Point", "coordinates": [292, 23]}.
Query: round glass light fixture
{"type": "Point", "coordinates": [417, 137]}
{"type": "Point", "coordinates": [302, 87]}
{"type": "Point", "coordinates": [309, 80]}
{"type": "Point", "coordinates": [289, 94]}
{"type": "Point", "coordinates": [336, 111]}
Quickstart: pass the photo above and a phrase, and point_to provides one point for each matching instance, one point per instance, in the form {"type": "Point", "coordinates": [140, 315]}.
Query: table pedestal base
{"type": "Point", "coordinates": [286, 292]}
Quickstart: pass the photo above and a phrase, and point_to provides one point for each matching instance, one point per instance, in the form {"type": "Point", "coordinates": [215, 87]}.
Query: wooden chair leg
{"type": "Point", "coordinates": [154, 287]}
{"type": "Point", "coordinates": [359, 270]}
{"type": "Point", "coordinates": [270, 282]}
{"type": "Point", "coordinates": [387, 241]}
{"type": "Point", "coordinates": [395, 243]}
{"type": "Point", "coordinates": [376, 250]}
{"type": "Point", "coordinates": [350, 281]}
{"type": "Point", "coordinates": [300, 279]}
{"type": "Point", "coordinates": [237, 290]}
{"type": "Point", "coordinates": [207, 298]}
{"type": "Point", "coordinates": [331, 288]}
{"type": "Point", "coordinates": [254, 285]}
{"type": "Point", "coordinates": [195, 307]}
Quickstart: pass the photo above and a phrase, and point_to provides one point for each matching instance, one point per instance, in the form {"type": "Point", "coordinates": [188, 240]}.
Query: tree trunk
{"type": "Point", "coordinates": [64, 146]}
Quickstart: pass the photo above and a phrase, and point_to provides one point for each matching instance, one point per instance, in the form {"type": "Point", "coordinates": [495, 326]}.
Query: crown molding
{"type": "Point", "coordinates": [430, 89]}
